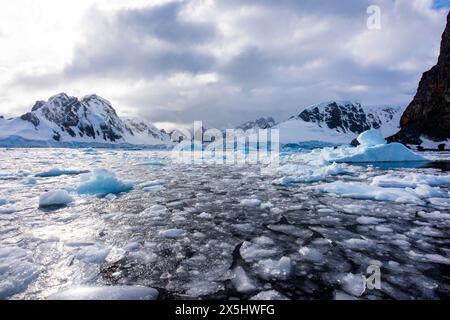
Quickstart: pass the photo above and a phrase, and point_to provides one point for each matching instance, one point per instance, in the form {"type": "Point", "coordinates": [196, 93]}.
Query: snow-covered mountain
{"type": "Point", "coordinates": [339, 122]}
{"type": "Point", "coordinates": [261, 123]}
{"type": "Point", "coordinates": [90, 120]}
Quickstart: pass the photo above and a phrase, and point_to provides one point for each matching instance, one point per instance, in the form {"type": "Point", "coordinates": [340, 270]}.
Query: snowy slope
{"type": "Point", "coordinates": [338, 122]}
{"type": "Point", "coordinates": [90, 120]}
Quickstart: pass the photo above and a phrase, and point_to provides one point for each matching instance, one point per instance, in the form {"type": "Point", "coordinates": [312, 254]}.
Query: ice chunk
{"type": "Point", "coordinates": [16, 271]}
{"type": "Point", "coordinates": [269, 295]}
{"type": "Point", "coordinates": [3, 202]}
{"type": "Point", "coordinates": [205, 215]}
{"type": "Point", "coordinates": [107, 293]}
{"type": "Point", "coordinates": [272, 269]}
{"type": "Point", "coordinates": [251, 203]}
{"type": "Point", "coordinates": [410, 180]}
{"type": "Point", "coordinates": [371, 138]}
{"type": "Point", "coordinates": [29, 181]}
{"type": "Point", "coordinates": [172, 233]}
{"type": "Point", "coordinates": [55, 198]}
{"type": "Point", "coordinates": [256, 251]}
{"type": "Point", "coordinates": [93, 254]}
{"type": "Point", "coordinates": [353, 284]}
{"type": "Point", "coordinates": [368, 220]}
{"type": "Point", "coordinates": [440, 202]}
{"type": "Point", "coordinates": [435, 215]}
{"type": "Point", "coordinates": [309, 174]}
{"type": "Point", "coordinates": [311, 254]}
{"type": "Point", "coordinates": [102, 182]}
{"type": "Point", "coordinates": [152, 183]}
{"type": "Point", "coordinates": [58, 172]}
{"type": "Point", "coordinates": [357, 190]}
{"type": "Point", "coordinates": [241, 281]}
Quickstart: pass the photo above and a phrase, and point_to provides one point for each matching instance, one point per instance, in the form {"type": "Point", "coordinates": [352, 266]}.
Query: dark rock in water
{"type": "Point", "coordinates": [428, 114]}
{"type": "Point", "coordinates": [354, 143]}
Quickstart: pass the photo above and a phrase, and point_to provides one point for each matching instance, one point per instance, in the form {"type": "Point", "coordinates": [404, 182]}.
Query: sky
{"type": "Point", "coordinates": [220, 61]}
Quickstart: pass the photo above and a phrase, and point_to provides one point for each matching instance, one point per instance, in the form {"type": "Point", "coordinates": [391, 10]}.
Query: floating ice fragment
{"type": "Point", "coordinates": [363, 191]}
{"type": "Point", "coordinates": [368, 220]}
{"type": "Point", "coordinates": [354, 284]}
{"type": "Point", "coordinates": [241, 281]}
{"type": "Point", "coordinates": [172, 233]}
{"type": "Point", "coordinates": [107, 293]}
{"type": "Point", "coordinates": [29, 181]}
{"type": "Point", "coordinates": [102, 182]}
{"type": "Point", "coordinates": [251, 203]}
{"type": "Point", "coordinates": [410, 180]}
{"type": "Point", "coordinates": [58, 172]}
{"type": "Point", "coordinates": [3, 202]}
{"type": "Point", "coordinates": [205, 215]}
{"type": "Point", "coordinates": [269, 295]}
{"type": "Point", "coordinates": [435, 215]}
{"type": "Point", "coordinates": [17, 271]}
{"type": "Point", "coordinates": [55, 198]}
{"type": "Point", "coordinates": [272, 269]}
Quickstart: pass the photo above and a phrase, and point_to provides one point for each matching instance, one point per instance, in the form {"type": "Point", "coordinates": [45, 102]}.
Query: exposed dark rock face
{"type": "Point", "coordinates": [346, 117]}
{"type": "Point", "coordinates": [261, 123]}
{"type": "Point", "coordinates": [428, 115]}
{"type": "Point", "coordinates": [64, 118]}
{"type": "Point", "coordinates": [31, 117]}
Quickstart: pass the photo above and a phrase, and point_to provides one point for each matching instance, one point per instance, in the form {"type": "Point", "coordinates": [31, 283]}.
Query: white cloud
{"type": "Point", "coordinates": [218, 61]}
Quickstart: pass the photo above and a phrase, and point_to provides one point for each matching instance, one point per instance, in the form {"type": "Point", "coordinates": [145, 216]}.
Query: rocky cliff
{"type": "Point", "coordinates": [428, 115]}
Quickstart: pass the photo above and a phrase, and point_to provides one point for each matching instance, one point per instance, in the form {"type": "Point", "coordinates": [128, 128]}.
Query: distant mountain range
{"type": "Point", "coordinates": [64, 119]}
{"type": "Point", "coordinates": [337, 122]}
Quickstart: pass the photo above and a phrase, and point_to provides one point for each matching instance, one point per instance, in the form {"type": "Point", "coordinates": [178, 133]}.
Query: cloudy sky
{"type": "Point", "coordinates": [220, 61]}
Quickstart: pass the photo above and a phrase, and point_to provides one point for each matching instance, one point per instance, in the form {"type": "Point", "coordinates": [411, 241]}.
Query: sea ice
{"type": "Point", "coordinates": [102, 182]}
{"type": "Point", "coordinates": [3, 202]}
{"type": "Point", "coordinates": [251, 203]}
{"type": "Point", "coordinates": [172, 233]}
{"type": "Point", "coordinates": [309, 174]}
{"type": "Point", "coordinates": [357, 190]}
{"type": "Point", "coordinates": [273, 269]}
{"type": "Point", "coordinates": [353, 284]}
{"type": "Point", "coordinates": [58, 172]}
{"type": "Point", "coordinates": [410, 180]}
{"type": "Point", "coordinates": [241, 281]}
{"type": "Point", "coordinates": [107, 293]}
{"type": "Point", "coordinates": [55, 198]}
{"type": "Point", "coordinates": [16, 271]}
{"type": "Point", "coordinates": [269, 295]}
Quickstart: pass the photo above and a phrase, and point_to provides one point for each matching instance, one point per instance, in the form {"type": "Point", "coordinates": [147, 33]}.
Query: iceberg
{"type": "Point", "coordinates": [371, 138]}
{"type": "Point", "coordinates": [372, 148]}
{"type": "Point", "coordinates": [55, 198]}
{"type": "Point", "coordinates": [102, 182]}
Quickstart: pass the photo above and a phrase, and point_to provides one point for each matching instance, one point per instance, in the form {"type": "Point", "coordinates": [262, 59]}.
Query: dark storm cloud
{"type": "Point", "coordinates": [144, 43]}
